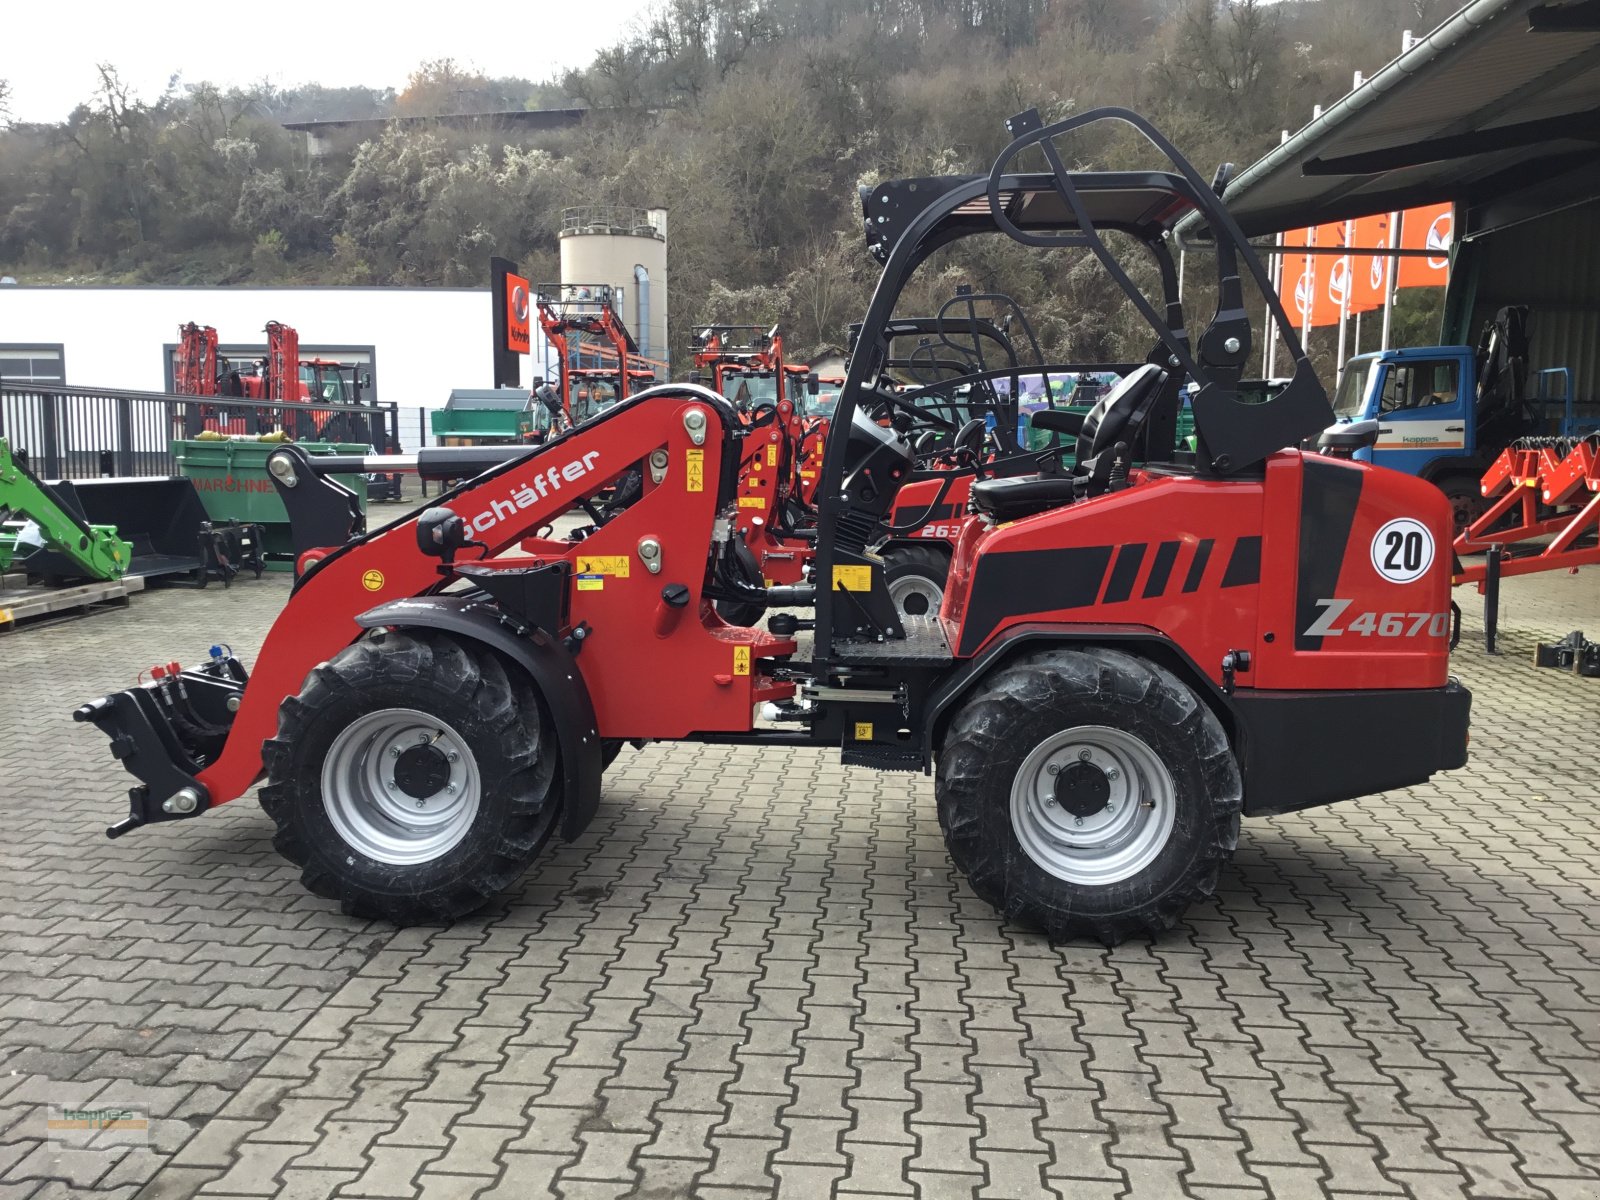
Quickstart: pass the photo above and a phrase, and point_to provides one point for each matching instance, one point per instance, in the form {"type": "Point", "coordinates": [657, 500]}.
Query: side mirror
{"type": "Point", "coordinates": [1342, 441]}
{"type": "Point", "coordinates": [696, 378]}
{"type": "Point", "coordinates": [546, 396]}
{"type": "Point", "coordinates": [366, 379]}
{"type": "Point", "coordinates": [813, 384]}
{"type": "Point", "coordinates": [441, 532]}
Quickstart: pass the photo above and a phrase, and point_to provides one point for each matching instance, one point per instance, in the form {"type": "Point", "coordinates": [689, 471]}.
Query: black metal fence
{"type": "Point", "coordinates": [66, 432]}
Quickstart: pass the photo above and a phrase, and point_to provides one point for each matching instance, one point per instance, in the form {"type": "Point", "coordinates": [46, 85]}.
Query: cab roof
{"type": "Point", "coordinates": [1144, 203]}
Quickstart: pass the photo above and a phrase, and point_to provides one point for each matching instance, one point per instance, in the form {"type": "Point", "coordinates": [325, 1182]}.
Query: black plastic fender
{"type": "Point", "coordinates": [549, 665]}
{"type": "Point", "coordinates": [1159, 649]}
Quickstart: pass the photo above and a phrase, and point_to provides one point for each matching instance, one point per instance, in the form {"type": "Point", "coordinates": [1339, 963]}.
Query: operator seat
{"type": "Point", "coordinates": [1116, 417]}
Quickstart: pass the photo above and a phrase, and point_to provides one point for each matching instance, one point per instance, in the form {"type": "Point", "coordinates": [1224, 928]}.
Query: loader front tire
{"type": "Point", "coordinates": [1088, 793]}
{"type": "Point", "coordinates": [413, 778]}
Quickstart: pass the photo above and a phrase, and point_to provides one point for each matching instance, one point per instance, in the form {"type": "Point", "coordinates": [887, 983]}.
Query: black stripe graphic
{"type": "Point", "coordinates": [1197, 568]}
{"type": "Point", "coordinates": [1024, 582]}
{"type": "Point", "coordinates": [1329, 495]}
{"type": "Point", "coordinates": [1124, 572]}
{"type": "Point", "coordinates": [1161, 569]}
{"type": "Point", "coordinates": [1244, 564]}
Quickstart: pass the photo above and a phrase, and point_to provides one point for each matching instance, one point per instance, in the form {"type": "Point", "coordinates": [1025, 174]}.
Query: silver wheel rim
{"type": "Point", "coordinates": [918, 590]}
{"type": "Point", "coordinates": [368, 808]}
{"type": "Point", "coordinates": [1114, 843]}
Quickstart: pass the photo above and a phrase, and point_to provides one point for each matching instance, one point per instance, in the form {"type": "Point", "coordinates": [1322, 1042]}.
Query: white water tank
{"type": "Point", "coordinates": [625, 248]}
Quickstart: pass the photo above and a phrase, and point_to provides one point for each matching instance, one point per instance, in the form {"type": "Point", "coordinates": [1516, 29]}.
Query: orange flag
{"type": "Point", "coordinates": [1333, 275]}
{"type": "Point", "coordinates": [1429, 228]}
{"type": "Point", "coordinates": [1298, 278]}
{"type": "Point", "coordinates": [1370, 271]}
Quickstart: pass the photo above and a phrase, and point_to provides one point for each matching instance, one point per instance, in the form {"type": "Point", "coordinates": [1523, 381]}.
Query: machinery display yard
{"type": "Point", "coordinates": [758, 973]}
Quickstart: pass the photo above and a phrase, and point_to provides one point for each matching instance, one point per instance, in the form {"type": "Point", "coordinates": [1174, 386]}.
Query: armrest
{"type": "Point", "coordinates": [1055, 420]}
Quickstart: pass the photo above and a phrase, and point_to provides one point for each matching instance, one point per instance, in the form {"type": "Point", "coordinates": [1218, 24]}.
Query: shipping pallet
{"type": "Point", "coordinates": [31, 605]}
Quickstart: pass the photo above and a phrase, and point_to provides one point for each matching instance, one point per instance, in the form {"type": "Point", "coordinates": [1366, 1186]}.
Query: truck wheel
{"type": "Point", "coordinates": [1088, 793]}
{"type": "Point", "coordinates": [1466, 500]}
{"type": "Point", "coordinates": [413, 779]}
{"type": "Point", "coordinates": [916, 575]}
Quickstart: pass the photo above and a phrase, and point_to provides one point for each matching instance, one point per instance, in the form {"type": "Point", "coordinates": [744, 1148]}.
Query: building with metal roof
{"type": "Point", "coordinates": [1498, 111]}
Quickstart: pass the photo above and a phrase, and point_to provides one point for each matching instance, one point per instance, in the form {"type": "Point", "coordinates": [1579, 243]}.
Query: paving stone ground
{"type": "Point", "coordinates": [757, 975]}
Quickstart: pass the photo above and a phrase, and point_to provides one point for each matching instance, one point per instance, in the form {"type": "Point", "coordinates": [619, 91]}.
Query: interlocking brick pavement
{"type": "Point", "coordinates": [757, 975]}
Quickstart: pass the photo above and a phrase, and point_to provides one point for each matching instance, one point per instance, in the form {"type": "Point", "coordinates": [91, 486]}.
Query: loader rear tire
{"type": "Point", "coordinates": [916, 576]}
{"type": "Point", "coordinates": [413, 778]}
{"type": "Point", "coordinates": [1089, 793]}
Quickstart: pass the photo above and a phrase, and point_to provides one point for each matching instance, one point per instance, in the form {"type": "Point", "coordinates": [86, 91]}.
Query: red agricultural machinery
{"type": "Point", "coordinates": [1127, 658]}
{"type": "Point", "coordinates": [974, 362]}
{"type": "Point", "coordinates": [774, 527]}
{"type": "Point", "coordinates": [281, 377]}
{"type": "Point", "coordinates": [581, 325]}
{"type": "Point", "coordinates": [1538, 488]}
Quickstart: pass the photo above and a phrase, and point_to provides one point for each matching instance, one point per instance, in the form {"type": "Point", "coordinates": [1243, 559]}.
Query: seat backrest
{"type": "Point", "coordinates": [1107, 422]}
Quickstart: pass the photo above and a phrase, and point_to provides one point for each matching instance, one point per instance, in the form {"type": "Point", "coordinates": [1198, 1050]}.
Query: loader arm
{"type": "Point", "coordinates": [644, 571]}
{"type": "Point", "coordinates": [95, 549]}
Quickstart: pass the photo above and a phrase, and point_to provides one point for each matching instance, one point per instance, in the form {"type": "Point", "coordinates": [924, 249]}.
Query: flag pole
{"type": "Point", "coordinates": [1308, 276]}
{"type": "Point", "coordinates": [1395, 218]}
{"type": "Point", "coordinates": [1269, 363]}
{"type": "Point", "coordinates": [1344, 301]}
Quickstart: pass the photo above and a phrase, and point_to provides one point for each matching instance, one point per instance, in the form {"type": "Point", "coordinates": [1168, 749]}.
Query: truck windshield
{"type": "Point", "coordinates": [1348, 400]}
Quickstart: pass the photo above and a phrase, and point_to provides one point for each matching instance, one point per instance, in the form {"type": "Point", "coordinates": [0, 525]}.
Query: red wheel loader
{"type": "Point", "coordinates": [772, 525]}
{"type": "Point", "coordinates": [1127, 659]}
{"type": "Point", "coordinates": [599, 360]}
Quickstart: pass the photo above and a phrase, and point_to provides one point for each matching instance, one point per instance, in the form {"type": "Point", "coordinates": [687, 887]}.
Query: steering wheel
{"type": "Point", "coordinates": [884, 400]}
{"type": "Point", "coordinates": [761, 416]}
{"type": "Point", "coordinates": [970, 442]}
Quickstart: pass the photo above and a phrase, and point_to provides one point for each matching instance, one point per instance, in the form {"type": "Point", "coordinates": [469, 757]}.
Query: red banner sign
{"type": "Point", "coordinates": [518, 304]}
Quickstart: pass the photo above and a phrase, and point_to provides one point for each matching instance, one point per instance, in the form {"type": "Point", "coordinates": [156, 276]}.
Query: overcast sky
{"type": "Point", "coordinates": [54, 47]}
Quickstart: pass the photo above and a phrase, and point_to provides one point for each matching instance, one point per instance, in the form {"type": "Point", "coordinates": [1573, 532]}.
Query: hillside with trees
{"type": "Point", "coordinates": [751, 121]}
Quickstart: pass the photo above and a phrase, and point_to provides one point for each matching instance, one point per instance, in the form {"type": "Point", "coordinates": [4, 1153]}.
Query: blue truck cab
{"type": "Point", "coordinates": [1443, 417]}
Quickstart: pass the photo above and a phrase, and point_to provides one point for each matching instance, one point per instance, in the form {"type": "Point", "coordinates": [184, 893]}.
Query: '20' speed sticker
{"type": "Point", "coordinates": [1402, 551]}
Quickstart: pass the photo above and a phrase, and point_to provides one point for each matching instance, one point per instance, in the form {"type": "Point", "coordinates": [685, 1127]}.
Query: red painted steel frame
{"type": "Point", "coordinates": [766, 478]}
{"type": "Point", "coordinates": [604, 323]}
{"type": "Point", "coordinates": [1524, 481]}
{"type": "Point", "coordinates": [653, 671]}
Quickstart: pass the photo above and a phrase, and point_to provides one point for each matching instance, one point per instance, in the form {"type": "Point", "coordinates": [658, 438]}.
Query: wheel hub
{"type": "Point", "coordinates": [1082, 789]}
{"type": "Point", "coordinates": [916, 596]}
{"type": "Point", "coordinates": [421, 771]}
{"type": "Point", "coordinates": [400, 786]}
{"type": "Point", "coordinates": [1093, 805]}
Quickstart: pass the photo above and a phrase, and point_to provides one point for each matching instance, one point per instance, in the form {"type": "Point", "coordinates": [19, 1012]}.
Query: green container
{"type": "Point", "coordinates": [233, 483]}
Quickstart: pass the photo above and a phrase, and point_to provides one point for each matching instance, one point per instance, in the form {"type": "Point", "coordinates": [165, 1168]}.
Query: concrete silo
{"type": "Point", "coordinates": [625, 248]}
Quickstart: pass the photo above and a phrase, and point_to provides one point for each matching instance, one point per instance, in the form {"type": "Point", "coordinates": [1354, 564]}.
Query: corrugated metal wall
{"type": "Point", "coordinates": [1551, 264]}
